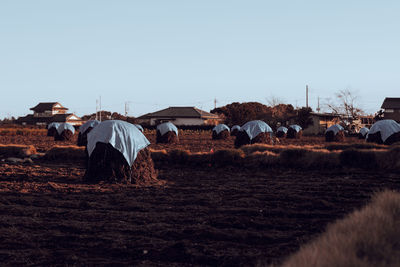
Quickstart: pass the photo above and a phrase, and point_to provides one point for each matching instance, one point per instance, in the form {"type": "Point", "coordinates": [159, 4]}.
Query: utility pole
{"type": "Point", "coordinates": [97, 107]}
{"type": "Point", "coordinates": [100, 106]}
{"type": "Point", "coordinates": [215, 103]}
{"type": "Point", "coordinates": [318, 109]}
{"type": "Point", "coordinates": [307, 96]}
{"type": "Point", "coordinates": [126, 109]}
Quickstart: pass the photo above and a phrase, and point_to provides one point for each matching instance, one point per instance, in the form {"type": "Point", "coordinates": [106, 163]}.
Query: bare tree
{"type": "Point", "coordinates": [345, 104]}
{"type": "Point", "coordinates": [273, 101]}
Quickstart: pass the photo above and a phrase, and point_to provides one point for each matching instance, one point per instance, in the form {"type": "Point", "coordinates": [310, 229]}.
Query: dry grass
{"type": "Point", "coordinates": [339, 146]}
{"type": "Point", "coordinates": [226, 157]}
{"type": "Point", "coordinates": [66, 153]}
{"type": "Point", "coordinates": [159, 155]}
{"type": "Point", "coordinates": [22, 131]}
{"type": "Point", "coordinates": [261, 159]}
{"type": "Point", "coordinates": [369, 237]}
{"type": "Point", "coordinates": [304, 157]}
{"type": "Point", "coordinates": [19, 151]}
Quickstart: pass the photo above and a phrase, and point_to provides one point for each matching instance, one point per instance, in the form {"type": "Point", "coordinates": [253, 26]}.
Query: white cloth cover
{"type": "Point", "coordinates": [139, 127]}
{"type": "Point", "coordinates": [235, 127]}
{"type": "Point", "coordinates": [53, 124]}
{"type": "Point", "coordinates": [88, 124]}
{"type": "Point", "coordinates": [166, 127]}
{"type": "Point", "coordinates": [364, 131]}
{"type": "Point", "coordinates": [122, 135]}
{"type": "Point", "coordinates": [386, 127]}
{"type": "Point", "coordinates": [220, 127]}
{"type": "Point", "coordinates": [335, 129]}
{"type": "Point", "coordinates": [254, 128]}
{"type": "Point", "coordinates": [65, 126]}
{"type": "Point", "coordinates": [282, 129]}
{"type": "Point", "coordinates": [296, 127]}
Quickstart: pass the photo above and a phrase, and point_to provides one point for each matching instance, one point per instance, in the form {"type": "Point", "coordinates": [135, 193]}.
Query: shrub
{"type": "Point", "coordinates": [368, 237]}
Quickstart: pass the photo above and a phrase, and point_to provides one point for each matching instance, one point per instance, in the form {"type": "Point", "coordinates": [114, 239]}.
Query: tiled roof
{"type": "Point", "coordinates": [180, 112]}
{"type": "Point", "coordinates": [56, 118]}
{"type": "Point", "coordinates": [43, 106]}
{"type": "Point", "coordinates": [391, 102]}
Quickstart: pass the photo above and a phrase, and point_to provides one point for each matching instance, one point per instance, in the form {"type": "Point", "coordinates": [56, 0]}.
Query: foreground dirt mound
{"type": "Point", "coordinates": [108, 164]}
{"type": "Point", "coordinates": [223, 216]}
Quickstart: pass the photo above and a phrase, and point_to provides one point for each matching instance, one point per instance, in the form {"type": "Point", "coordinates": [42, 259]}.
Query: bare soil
{"type": "Point", "coordinates": [223, 216]}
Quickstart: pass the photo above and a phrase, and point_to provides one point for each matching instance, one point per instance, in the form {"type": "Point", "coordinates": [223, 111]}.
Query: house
{"type": "Point", "coordinates": [180, 116]}
{"type": "Point", "coordinates": [391, 108]}
{"type": "Point", "coordinates": [321, 122]}
{"type": "Point", "coordinates": [47, 112]}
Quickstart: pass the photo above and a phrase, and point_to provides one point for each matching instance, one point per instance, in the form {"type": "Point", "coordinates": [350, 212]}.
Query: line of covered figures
{"type": "Point", "coordinates": [117, 151]}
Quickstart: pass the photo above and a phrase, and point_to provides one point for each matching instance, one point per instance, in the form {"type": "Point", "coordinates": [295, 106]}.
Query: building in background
{"type": "Point", "coordinates": [47, 112]}
{"type": "Point", "coordinates": [391, 108]}
{"type": "Point", "coordinates": [180, 116]}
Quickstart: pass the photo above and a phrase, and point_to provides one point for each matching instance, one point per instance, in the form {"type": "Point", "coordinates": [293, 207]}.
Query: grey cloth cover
{"type": "Point", "coordinates": [166, 127]}
{"type": "Point", "coordinates": [123, 136]}
{"type": "Point", "coordinates": [235, 127]}
{"type": "Point", "coordinates": [65, 126]}
{"type": "Point", "coordinates": [88, 124]}
{"type": "Point", "coordinates": [364, 131]}
{"type": "Point", "coordinates": [335, 129]}
{"type": "Point", "coordinates": [254, 128]}
{"type": "Point", "coordinates": [53, 124]}
{"type": "Point", "coordinates": [220, 127]}
{"type": "Point", "coordinates": [386, 127]}
{"type": "Point", "coordinates": [296, 127]}
{"type": "Point", "coordinates": [282, 129]}
{"type": "Point", "coordinates": [139, 127]}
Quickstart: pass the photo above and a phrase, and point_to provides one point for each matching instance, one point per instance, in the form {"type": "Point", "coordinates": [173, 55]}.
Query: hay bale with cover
{"type": "Point", "coordinates": [362, 134]}
{"type": "Point", "coordinates": [235, 129]}
{"type": "Point", "coordinates": [253, 132]}
{"type": "Point", "coordinates": [65, 132]}
{"type": "Point", "coordinates": [84, 129]}
{"type": "Point", "coordinates": [294, 132]}
{"type": "Point", "coordinates": [52, 129]}
{"type": "Point", "coordinates": [281, 132]}
{"type": "Point", "coordinates": [167, 133]}
{"type": "Point", "coordinates": [118, 153]}
{"type": "Point", "coordinates": [335, 133]}
{"type": "Point", "coordinates": [220, 132]}
{"type": "Point", "coordinates": [139, 127]}
{"type": "Point", "coordinates": [384, 132]}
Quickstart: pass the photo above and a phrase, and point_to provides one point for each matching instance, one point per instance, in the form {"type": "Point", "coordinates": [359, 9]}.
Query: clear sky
{"type": "Point", "coordinates": [155, 54]}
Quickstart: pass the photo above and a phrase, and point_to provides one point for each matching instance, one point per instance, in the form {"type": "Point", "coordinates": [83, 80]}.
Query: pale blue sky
{"type": "Point", "coordinates": [163, 53]}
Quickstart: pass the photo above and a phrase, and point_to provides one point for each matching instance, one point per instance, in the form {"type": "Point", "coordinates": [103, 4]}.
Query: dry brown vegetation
{"type": "Point", "coordinates": [368, 237]}
{"type": "Point", "coordinates": [20, 151]}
